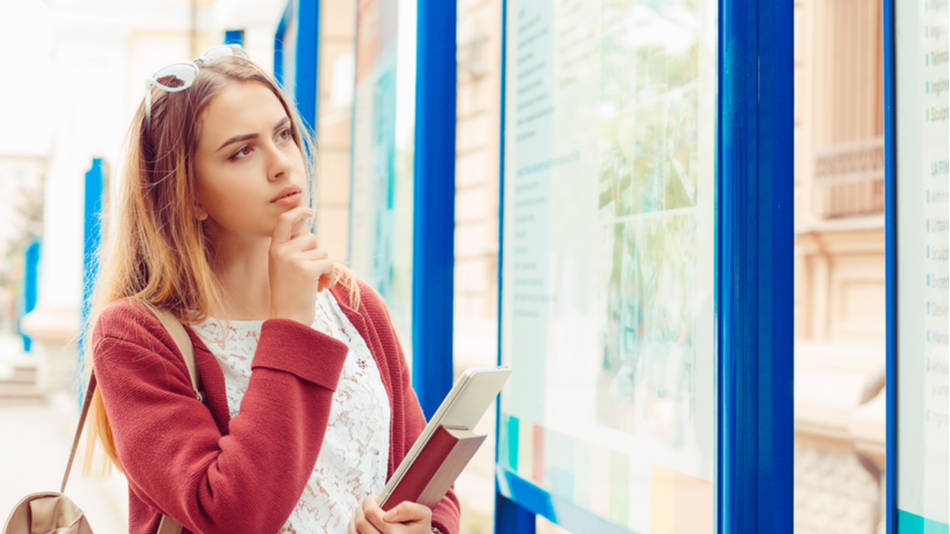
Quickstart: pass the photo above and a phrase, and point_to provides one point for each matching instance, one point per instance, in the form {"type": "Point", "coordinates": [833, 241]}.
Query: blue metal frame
{"type": "Point", "coordinates": [755, 279]}
{"type": "Point", "coordinates": [890, 248]}
{"type": "Point", "coordinates": [433, 251]}
{"type": "Point", "coordinates": [307, 69]}
{"type": "Point", "coordinates": [511, 517]}
{"type": "Point", "coordinates": [31, 271]}
{"type": "Point", "coordinates": [522, 500]}
{"type": "Point", "coordinates": [234, 37]}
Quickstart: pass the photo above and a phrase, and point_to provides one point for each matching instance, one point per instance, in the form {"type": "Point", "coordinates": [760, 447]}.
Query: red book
{"type": "Point", "coordinates": [434, 470]}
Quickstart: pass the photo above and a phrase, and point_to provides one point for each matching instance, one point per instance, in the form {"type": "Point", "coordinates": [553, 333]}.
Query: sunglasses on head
{"type": "Point", "coordinates": [179, 76]}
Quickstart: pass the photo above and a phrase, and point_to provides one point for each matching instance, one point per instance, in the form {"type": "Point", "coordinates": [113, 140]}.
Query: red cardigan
{"type": "Point", "coordinates": [216, 474]}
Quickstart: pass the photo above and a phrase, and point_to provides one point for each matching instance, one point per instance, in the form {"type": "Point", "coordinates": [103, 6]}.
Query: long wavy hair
{"type": "Point", "coordinates": [155, 249]}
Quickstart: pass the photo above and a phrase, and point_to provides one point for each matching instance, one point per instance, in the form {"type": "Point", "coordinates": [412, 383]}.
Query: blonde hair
{"type": "Point", "coordinates": [154, 248]}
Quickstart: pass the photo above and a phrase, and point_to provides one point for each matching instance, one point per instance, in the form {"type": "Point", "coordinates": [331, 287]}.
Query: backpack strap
{"type": "Point", "coordinates": [168, 525]}
{"type": "Point", "coordinates": [82, 419]}
{"type": "Point", "coordinates": [175, 329]}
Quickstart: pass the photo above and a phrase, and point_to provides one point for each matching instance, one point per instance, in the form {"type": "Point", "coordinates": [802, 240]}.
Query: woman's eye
{"type": "Point", "coordinates": [242, 153]}
{"type": "Point", "coordinates": [284, 134]}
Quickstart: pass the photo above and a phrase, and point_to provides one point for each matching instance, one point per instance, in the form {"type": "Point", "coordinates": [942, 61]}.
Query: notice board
{"type": "Point", "coordinates": [608, 261]}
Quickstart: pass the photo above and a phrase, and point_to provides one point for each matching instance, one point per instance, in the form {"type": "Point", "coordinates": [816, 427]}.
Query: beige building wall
{"type": "Point", "coordinates": [477, 139]}
{"type": "Point", "coordinates": [477, 182]}
{"type": "Point", "coordinates": [839, 266]}
{"type": "Point", "coordinates": [332, 182]}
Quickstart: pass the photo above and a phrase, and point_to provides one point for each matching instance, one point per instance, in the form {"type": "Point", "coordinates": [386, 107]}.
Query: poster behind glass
{"type": "Point", "coordinates": [608, 259]}
{"type": "Point", "coordinates": [922, 268]}
{"type": "Point", "coordinates": [380, 238]}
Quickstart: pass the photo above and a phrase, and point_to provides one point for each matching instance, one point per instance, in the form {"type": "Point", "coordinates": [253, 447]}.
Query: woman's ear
{"type": "Point", "coordinates": [200, 213]}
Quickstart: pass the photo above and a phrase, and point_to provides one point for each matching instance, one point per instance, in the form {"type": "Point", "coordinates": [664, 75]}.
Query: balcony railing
{"type": "Point", "coordinates": [849, 180]}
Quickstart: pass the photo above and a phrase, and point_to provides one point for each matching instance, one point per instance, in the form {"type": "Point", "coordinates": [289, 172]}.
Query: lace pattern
{"type": "Point", "coordinates": [355, 452]}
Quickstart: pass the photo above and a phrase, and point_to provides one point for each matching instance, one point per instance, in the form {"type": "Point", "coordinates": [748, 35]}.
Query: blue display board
{"type": "Point", "coordinates": [381, 208]}
{"type": "Point", "coordinates": [917, 155]}
{"type": "Point", "coordinates": [645, 278]}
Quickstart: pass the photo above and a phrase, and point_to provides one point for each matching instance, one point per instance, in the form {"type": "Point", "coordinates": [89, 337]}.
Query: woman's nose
{"type": "Point", "coordinates": [278, 162]}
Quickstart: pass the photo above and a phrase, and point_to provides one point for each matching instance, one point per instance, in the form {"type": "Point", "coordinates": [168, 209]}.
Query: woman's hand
{"type": "Point", "coordinates": [295, 265]}
{"type": "Point", "coordinates": [406, 518]}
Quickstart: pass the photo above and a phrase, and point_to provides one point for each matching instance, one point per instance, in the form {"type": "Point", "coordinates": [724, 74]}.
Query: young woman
{"type": "Point", "coordinates": [305, 405]}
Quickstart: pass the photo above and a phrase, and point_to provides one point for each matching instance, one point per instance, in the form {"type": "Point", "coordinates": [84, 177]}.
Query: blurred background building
{"type": "Point", "coordinates": [94, 55]}
{"type": "Point", "coordinates": [839, 267]}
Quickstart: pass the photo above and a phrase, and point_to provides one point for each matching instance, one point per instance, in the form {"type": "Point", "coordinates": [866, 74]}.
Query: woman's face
{"type": "Point", "coordinates": [246, 159]}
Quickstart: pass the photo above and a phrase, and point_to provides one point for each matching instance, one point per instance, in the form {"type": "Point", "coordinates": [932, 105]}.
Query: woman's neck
{"type": "Point", "coordinates": [242, 271]}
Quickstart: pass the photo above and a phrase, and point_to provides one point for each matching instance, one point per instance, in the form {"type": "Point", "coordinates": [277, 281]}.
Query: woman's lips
{"type": "Point", "coordinates": [290, 200]}
{"type": "Point", "coordinates": [286, 191]}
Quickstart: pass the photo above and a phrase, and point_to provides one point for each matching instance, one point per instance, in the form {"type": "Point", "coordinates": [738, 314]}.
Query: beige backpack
{"type": "Point", "coordinates": [51, 512]}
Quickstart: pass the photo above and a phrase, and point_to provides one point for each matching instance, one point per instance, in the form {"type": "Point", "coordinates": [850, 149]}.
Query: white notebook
{"type": "Point", "coordinates": [462, 408]}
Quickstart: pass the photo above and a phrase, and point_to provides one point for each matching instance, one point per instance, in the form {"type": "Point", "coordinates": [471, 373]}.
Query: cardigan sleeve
{"type": "Point", "coordinates": [445, 514]}
{"type": "Point", "coordinates": [167, 442]}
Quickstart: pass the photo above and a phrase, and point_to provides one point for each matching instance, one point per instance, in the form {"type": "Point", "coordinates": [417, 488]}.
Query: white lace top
{"type": "Point", "coordinates": [355, 451]}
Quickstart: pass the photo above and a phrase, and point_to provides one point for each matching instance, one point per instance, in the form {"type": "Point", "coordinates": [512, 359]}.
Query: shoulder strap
{"type": "Point", "coordinates": [168, 525]}
{"type": "Point", "coordinates": [175, 329]}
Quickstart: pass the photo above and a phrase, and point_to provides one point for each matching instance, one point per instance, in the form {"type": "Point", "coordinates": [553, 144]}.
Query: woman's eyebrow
{"type": "Point", "coordinates": [281, 123]}
{"type": "Point", "coordinates": [245, 137]}
{"type": "Point", "coordinates": [236, 138]}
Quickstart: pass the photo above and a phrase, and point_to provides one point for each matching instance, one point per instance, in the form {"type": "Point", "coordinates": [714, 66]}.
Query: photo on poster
{"type": "Point", "coordinates": [681, 157]}
{"type": "Point", "coordinates": [647, 189]}
{"type": "Point", "coordinates": [646, 373]}
{"type": "Point", "coordinates": [647, 50]}
{"type": "Point", "coordinates": [649, 158]}
{"type": "Point", "coordinates": [616, 169]}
